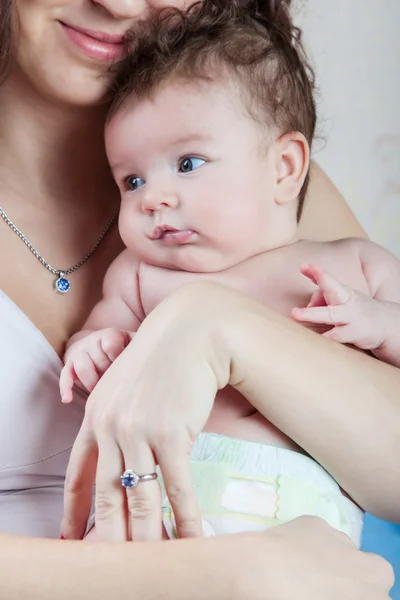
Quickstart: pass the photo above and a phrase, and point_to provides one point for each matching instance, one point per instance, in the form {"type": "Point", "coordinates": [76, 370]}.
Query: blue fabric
{"type": "Point", "coordinates": [384, 539]}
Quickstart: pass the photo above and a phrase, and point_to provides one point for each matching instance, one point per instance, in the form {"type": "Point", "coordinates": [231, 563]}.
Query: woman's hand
{"type": "Point", "coordinates": [308, 560]}
{"type": "Point", "coordinates": [148, 409]}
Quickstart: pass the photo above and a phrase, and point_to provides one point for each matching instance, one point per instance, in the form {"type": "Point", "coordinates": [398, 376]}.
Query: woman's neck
{"type": "Point", "coordinates": [52, 156]}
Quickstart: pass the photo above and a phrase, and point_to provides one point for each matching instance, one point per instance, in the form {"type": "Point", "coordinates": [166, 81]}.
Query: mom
{"type": "Point", "coordinates": [57, 193]}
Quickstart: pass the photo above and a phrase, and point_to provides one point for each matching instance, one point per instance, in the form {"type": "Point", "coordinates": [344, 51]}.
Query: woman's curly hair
{"type": "Point", "coordinates": [252, 40]}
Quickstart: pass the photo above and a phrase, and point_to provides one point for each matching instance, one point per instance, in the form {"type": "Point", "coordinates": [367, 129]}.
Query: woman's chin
{"type": "Point", "coordinates": [67, 86]}
{"type": "Point", "coordinates": [80, 90]}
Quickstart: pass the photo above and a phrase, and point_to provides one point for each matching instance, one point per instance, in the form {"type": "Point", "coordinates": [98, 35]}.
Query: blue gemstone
{"type": "Point", "coordinates": [63, 285]}
{"type": "Point", "coordinates": [129, 479]}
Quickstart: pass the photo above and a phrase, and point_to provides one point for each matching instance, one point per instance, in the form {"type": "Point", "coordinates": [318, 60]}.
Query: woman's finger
{"type": "Point", "coordinates": [175, 469]}
{"type": "Point", "coordinates": [110, 497]}
{"type": "Point", "coordinates": [78, 490]}
{"type": "Point", "coordinates": [143, 497]}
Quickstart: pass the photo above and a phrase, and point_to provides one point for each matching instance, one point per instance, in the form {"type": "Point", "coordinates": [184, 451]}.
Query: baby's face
{"type": "Point", "coordinates": [197, 178]}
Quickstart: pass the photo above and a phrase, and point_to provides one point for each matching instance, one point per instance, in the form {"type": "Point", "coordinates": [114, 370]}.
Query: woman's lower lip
{"type": "Point", "coordinates": [92, 47]}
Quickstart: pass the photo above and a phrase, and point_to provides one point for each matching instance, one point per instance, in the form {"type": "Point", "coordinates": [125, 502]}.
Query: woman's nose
{"type": "Point", "coordinates": [182, 4]}
{"type": "Point", "coordinates": [125, 9]}
{"type": "Point", "coordinates": [134, 9]}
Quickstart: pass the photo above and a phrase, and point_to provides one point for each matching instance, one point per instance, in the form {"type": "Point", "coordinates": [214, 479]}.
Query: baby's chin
{"type": "Point", "coordinates": [191, 259]}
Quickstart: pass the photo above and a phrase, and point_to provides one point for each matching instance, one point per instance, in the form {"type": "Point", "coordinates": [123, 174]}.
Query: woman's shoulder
{"type": "Point", "coordinates": [326, 214]}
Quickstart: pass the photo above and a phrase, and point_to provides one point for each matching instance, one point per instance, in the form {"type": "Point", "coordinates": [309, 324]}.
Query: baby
{"type": "Point", "coordinates": [209, 142]}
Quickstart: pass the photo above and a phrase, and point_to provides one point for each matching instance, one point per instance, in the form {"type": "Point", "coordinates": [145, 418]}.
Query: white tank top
{"type": "Point", "coordinates": [36, 430]}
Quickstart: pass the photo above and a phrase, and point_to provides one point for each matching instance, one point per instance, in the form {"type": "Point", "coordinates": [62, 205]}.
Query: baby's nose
{"type": "Point", "coordinates": [154, 200]}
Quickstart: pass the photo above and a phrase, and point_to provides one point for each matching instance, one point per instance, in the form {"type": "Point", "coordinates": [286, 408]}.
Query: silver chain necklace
{"type": "Point", "coordinates": [61, 284]}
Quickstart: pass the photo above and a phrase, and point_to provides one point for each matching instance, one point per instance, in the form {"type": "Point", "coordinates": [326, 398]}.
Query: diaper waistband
{"type": "Point", "coordinates": [255, 459]}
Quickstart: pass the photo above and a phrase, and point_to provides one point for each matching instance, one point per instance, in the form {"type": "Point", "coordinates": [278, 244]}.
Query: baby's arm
{"type": "Point", "coordinates": [382, 272]}
{"type": "Point", "coordinates": [108, 329]}
{"type": "Point", "coordinates": [370, 322]}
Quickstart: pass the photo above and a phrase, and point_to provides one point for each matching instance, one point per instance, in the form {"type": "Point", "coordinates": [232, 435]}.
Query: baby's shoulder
{"type": "Point", "coordinates": [336, 251]}
{"type": "Point", "coordinates": [122, 275]}
{"type": "Point", "coordinates": [351, 249]}
{"type": "Point", "coordinates": [349, 246]}
{"type": "Point", "coordinates": [368, 253]}
{"type": "Point", "coordinates": [349, 258]}
{"type": "Point", "coordinates": [341, 258]}
{"type": "Point", "coordinates": [124, 263]}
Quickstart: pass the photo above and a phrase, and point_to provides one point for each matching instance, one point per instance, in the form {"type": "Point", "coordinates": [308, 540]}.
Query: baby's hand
{"type": "Point", "coordinates": [357, 319]}
{"type": "Point", "coordinates": [87, 359]}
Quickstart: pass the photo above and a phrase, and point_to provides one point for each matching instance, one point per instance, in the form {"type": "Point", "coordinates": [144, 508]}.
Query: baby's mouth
{"type": "Point", "coordinates": [161, 230]}
{"type": "Point", "coordinates": [171, 235]}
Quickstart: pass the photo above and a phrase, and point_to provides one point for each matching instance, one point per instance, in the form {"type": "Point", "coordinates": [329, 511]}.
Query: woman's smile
{"type": "Point", "coordinates": [95, 44]}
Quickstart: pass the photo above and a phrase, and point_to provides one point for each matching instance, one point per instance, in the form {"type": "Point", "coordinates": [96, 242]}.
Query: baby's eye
{"type": "Point", "coordinates": [134, 183]}
{"type": "Point", "coordinates": [190, 163]}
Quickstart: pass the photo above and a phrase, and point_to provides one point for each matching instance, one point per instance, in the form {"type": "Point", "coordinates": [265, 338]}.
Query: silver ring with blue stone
{"type": "Point", "coordinates": [130, 479]}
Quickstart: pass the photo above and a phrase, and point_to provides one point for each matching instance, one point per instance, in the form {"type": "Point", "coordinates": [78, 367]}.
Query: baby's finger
{"type": "Point", "coordinates": [317, 299]}
{"type": "Point", "coordinates": [340, 334]}
{"type": "Point", "coordinates": [99, 357]}
{"type": "Point", "coordinates": [334, 291]}
{"type": "Point", "coordinates": [67, 378]}
{"type": "Point", "coordinates": [86, 371]}
{"type": "Point", "coordinates": [324, 315]}
{"type": "Point", "coordinates": [113, 343]}
{"type": "Point", "coordinates": [307, 271]}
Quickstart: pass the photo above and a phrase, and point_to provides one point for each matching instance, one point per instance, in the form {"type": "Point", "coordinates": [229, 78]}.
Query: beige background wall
{"type": "Point", "coordinates": [355, 46]}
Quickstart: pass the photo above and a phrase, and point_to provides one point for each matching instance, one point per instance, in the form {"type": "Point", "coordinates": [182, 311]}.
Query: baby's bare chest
{"type": "Point", "coordinates": [273, 278]}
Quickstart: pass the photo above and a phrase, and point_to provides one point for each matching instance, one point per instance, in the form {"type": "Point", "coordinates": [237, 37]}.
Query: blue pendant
{"type": "Point", "coordinates": [62, 284]}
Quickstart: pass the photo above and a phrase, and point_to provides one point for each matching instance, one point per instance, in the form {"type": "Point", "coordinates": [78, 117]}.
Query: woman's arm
{"type": "Point", "coordinates": [36, 569]}
{"type": "Point", "coordinates": [326, 216]}
{"type": "Point", "coordinates": [261, 566]}
{"type": "Point", "coordinates": [341, 406]}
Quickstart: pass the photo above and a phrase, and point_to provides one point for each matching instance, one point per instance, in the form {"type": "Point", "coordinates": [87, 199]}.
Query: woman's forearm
{"type": "Point", "coordinates": [36, 569]}
{"type": "Point", "coordinates": [238, 567]}
{"type": "Point", "coordinates": [341, 406]}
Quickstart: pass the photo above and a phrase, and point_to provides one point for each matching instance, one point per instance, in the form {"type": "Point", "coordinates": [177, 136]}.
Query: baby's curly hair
{"type": "Point", "coordinates": [252, 40]}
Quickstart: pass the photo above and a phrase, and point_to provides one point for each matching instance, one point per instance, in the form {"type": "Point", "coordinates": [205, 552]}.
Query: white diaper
{"type": "Point", "coordinates": [247, 486]}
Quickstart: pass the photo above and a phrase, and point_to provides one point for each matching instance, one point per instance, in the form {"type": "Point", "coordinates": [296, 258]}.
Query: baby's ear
{"type": "Point", "coordinates": [292, 161]}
